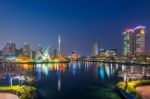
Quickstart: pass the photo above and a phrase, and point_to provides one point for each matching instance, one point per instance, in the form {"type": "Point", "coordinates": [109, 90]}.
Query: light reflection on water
{"type": "Point", "coordinates": [74, 77]}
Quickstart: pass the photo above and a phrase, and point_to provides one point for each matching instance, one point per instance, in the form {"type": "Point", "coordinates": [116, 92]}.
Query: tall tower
{"type": "Point", "coordinates": [128, 48]}
{"type": "Point", "coordinates": [134, 41]}
{"type": "Point", "coordinates": [95, 49]}
{"type": "Point", "coordinates": [139, 40]}
{"type": "Point", "coordinates": [59, 42]}
{"type": "Point", "coordinates": [26, 50]}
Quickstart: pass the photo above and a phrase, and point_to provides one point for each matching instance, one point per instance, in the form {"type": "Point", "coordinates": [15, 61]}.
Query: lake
{"type": "Point", "coordinates": [74, 80]}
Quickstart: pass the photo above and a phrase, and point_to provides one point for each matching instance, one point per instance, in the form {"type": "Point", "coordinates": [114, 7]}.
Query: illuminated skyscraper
{"type": "Point", "coordinates": [59, 42]}
{"type": "Point", "coordinates": [139, 40]}
{"type": "Point", "coordinates": [38, 52]}
{"type": "Point", "coordinates": [134, 41]}
{"type": "Point", "coordinates": [38, 49]}
{"type": "Point", "coordinates": [56, 53]}
{"type": "Point", "coordinates": [128, 47]}
{"type": "Point", "coordinates": [46, 55]}
{"type": "Point", "coordinates": [26, 49]}
{"type": "Point", "coordinates": [95, 49]}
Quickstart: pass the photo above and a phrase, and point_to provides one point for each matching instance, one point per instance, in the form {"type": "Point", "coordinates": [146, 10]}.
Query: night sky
{"type": "Point", "coordinates": [79, 22]}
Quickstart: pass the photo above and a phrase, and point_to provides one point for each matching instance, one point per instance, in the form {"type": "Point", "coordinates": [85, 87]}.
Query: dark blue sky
{"type": "Point", "coordinates": [79, 22]}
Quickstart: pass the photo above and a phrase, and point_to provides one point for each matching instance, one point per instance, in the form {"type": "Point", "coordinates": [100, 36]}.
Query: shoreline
{"type": "Point", "coordinates": [122, 63]}
{"type": "Point", "coordinates": [7, 95]}
{"type": "Point", "coordinates": [131, 91]}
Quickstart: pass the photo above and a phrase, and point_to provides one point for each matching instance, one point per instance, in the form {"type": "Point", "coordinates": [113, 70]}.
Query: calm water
{"type": "Point", "coordinates": [74, 80]}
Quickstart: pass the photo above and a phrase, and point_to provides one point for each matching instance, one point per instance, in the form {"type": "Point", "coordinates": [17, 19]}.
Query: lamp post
{"type": "Point", "coordinates": [11, 81]}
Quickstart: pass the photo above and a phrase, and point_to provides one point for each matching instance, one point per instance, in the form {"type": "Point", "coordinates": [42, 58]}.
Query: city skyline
{"type": "Point", "coordinates": [74, 49]}
{"type": "Point", "coordinates": [80, 23]}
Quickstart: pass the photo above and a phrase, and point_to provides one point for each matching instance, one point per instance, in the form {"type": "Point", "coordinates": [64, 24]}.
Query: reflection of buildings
{"type": "Point", "coordinates": [38, 70]}
{"type": "Point", "coordinates": [74, 67]}
{"type": "Point", "coordinates": [27, 67]}
{"type": "Point", "coordinates": [101, 72]}
{"type": "Point", "coordinates": [134, 41]}
{"type": "Point", "coordinates": [58, 67]}
{"type": "Point", "coordinates": [105, 71]}
{"type": "Point", "coordinates": [59, 83]}
{"type": "Point", "coordinates": [45, 69]}
{"type": "Point", "coordinates": [87, 65]}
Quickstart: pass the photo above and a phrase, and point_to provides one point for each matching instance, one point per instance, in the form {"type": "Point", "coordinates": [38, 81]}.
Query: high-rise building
{"type": "Point", "coordinates": [59, 42]}
{"type": "Point", "coordinates": [9, 49]}
{"type": "Point", "coordinates": [46, 55]}
{"type": "Point", "coordinates": [139, 40]}
{"type": "Point", "coordinates": [95, 49]}
{"type": "Point", "coordinates": [26, 50]}
{"type": "Point", "coordinates": [56, 53]}
{"type": "Point", "coordinates": [108, 52]}
{"type": "Point", "coordinates": [38, 52]}
{"type": "Point", "coordinates": [134, 41]}
{"type": "Point", "coordinates": [50, 52]}
{"type": "Point", "coordinates": [128, 47]}
{"type": "Point", "coordinates": [38, 49]}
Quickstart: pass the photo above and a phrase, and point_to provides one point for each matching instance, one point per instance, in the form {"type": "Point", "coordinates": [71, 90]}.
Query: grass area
{"type": "Point", "coordinates": [25, 92]}
{"type": "Point", "coordinates": [132, 85]}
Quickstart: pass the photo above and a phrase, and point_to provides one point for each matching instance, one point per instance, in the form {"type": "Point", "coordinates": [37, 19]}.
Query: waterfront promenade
{"type": "Point", "coordinates": [144, 91]}
{"type": "Point", "coordinates": [8, 96]}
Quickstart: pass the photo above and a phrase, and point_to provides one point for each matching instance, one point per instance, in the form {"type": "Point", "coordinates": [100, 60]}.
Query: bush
{"type": "Point", "coordinates": [25, 92]}
{"type": "Point", "coordinates": [132, 86]}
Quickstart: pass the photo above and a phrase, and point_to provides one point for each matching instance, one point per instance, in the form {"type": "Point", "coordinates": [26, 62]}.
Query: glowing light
{"type": "Point", "coordinates": [45, 69]}
{"type": "Point", "coordinates": [11, 81]}
{"type": "Point", "coordinates": [52, 67]}
{"type": "Point", "coordinates": [107, 70]}
{"type": "Point", "coordinates": [111, 69]}
{"type": "Point", "coordinates": [62, 67]}
{"type": "Point", "coordinates": [56, 60]}
{"type": "Point", "coordinates": [139, 27]}
{"type": "Point", "coordinates": [27, 67]}
{"type": "Point", "coordinates": [59, 84]}
{"type": "Point", "coordinates": [79, 66]}
{"type": "Point", "coordinates": [129, 30]}
{"type": "Point", "coordinates": [142, 32]}
{"type": "Point", "coordinates": [38, 70]}
{"type": "Point", "coordinates": [59, 41]}
{"type": "Point", "coordinates": [101, 73]}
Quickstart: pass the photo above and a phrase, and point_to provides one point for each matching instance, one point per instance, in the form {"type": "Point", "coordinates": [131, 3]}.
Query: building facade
{"type": "Point", "coordinates": [108, 52]}
{"type": "Point", "coordinates": [9, 49]}
{"type": "Point", "coordinates": [134, 41]}
{"type": "Point", "coordinates": [95, 49]}
{"type": "Point", "coordinates": [26, 50]}
{"type": "Point", "coordinates": [128, 47]}
{"type": "Point", "coordinates": [139, 40]}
